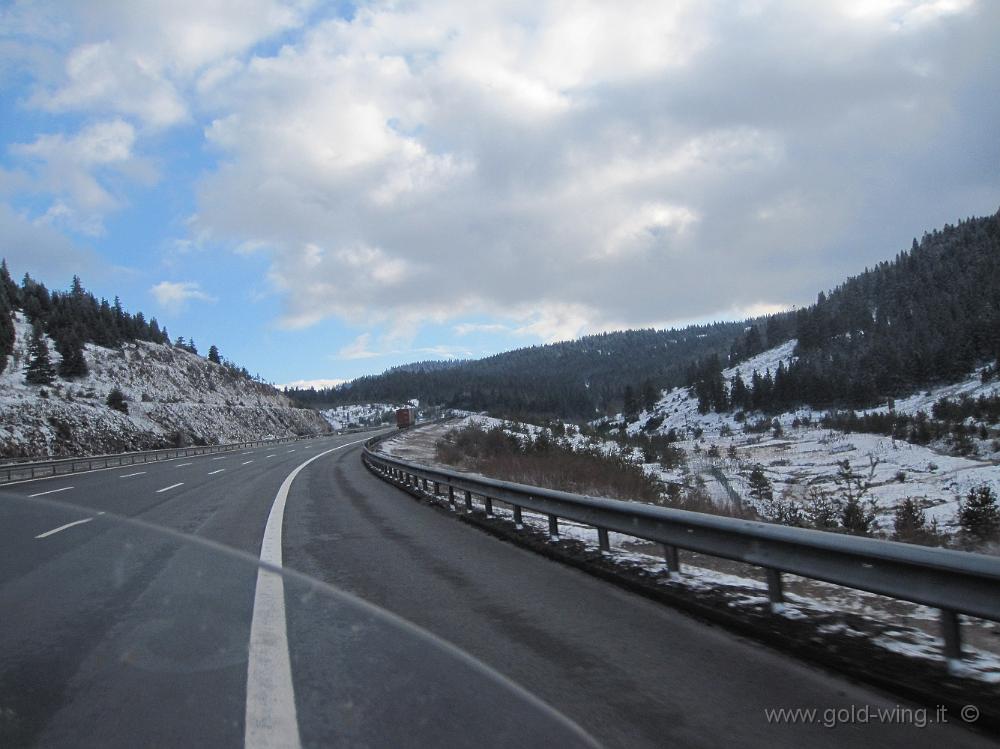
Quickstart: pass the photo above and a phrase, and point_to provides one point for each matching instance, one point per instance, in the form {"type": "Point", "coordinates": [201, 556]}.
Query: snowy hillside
{"type": "Point", "coordinates": [173, 397]}
{"type": "Point", "coordinates": [801, 458]}
{"type": "Point", "coordinates": [367, 414]}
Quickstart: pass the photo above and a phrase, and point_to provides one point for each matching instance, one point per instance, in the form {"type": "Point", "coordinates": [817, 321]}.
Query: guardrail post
{"type": "Point", "coordinates": [951, 629]}
{"type": "Point", "coordinates": [451, 496]}
{"type": "Point", "coordinates": [518, 522]}
{"type": "Point", "coordinates": [672, 558]}
{"type": "Point", "coordinates": [553, 527]}
{"type": "Point", "coordinates": [425, 485]}
{"type": "Point", "coordinates": [468, 501]}
{"type": "Point", "coordinates": [602, 539]}
{"type": "Point", "coordinates": [775, 591]}
{"type": "Point", "coordinates": [437, 488]}
{"type": "Point", "coordinates": [488, 501]}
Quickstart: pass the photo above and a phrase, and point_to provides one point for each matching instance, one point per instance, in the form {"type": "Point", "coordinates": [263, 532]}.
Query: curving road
{"type": "Point", "coordinates": [114, 635]}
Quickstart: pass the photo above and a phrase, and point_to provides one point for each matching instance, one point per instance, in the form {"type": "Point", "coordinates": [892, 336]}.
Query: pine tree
{"type": "Point", "coordinates": [8, 286]}
{"type": "Point", "coordinates": [631, 407]}
{"type": "Point", "coordinates": [909, 522]}
{"type": "Point", "coordinates": [73, 363]}
{"type": "Point", "coordinates": [40, 370]}
{"type": "Point", "coordinates": [213, 354]}
{"type": "Point", "coordinates": [6, 324]}
{"type": "Point", "coordinates": [979, 515]}
{"type": "Point", "coordinates": [857, 518]}
{"type": "Point", "coordinates": [650, 395]}
{"type": "Point", "coordinates": [760, 485]}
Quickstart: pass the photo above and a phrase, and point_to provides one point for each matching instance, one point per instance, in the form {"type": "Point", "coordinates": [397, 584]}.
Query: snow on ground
{"type": "Point", "coordinates": [805, 458]}
{"type": "Point", "coordinates": [172, 395]}
{"type": "Point", "coordinates": [971, 387]}
{"type": "Point", "coordinates": [366, 414]}
{"type": "Point", "coordinates": [802, 462]}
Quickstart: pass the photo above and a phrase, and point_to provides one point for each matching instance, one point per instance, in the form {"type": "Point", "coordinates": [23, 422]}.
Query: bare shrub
{"type": "Point", "coordinates": [541, 462]}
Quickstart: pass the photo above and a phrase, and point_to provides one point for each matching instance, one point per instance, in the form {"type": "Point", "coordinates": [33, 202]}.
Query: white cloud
{"type": "Point", "coordinates": [557, 322]}
{"type": "Point", "coordinates": [98, 78]}
{"type": "Point", "coordinates": [174, 296]}
{"type": "Point", "coordinates": [560, 157]}
{"type": "Point", "coordinates": [467, 328]}
{"type": "Point", "coordinates": [358, 349]}
{"type": "Point", "coordinates": [39, 248]}
{"type": "Point", "coordinates": [139, 57]}
{"type": "Point", "coordinates": [74, 169]}
{"type": "Point", "coordinates": [319, 384]}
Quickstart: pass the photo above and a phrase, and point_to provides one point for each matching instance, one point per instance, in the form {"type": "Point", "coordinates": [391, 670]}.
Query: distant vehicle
{"type": "Point", "coordinates": [406, 417]}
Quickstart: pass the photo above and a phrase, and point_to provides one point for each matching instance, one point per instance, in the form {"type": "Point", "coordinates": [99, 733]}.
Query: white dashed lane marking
{"type": "Point", "coordinates": [63, 527]}
{"type": "Point", "coordinates": [50, 491]}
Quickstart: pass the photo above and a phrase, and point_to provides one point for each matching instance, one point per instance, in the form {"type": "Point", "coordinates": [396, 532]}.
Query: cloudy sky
{"type": "Point", "coordinates": [323, 190]}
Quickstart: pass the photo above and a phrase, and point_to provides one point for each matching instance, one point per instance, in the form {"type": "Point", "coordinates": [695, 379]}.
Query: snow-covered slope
{"type": "Point", "coordinates": [174, 397]}
{"type": "Point", "coordinates": [367, 414]}
{"type": "Point", "coordinates": [802, 461]}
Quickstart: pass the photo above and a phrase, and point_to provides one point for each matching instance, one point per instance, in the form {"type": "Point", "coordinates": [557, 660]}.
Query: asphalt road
{"type": "Point", "coordinates": [114, 635]}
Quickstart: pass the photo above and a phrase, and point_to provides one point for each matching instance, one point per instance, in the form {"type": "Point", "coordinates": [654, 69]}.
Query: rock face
{"type": "Point", "coordinates": [173, 398]}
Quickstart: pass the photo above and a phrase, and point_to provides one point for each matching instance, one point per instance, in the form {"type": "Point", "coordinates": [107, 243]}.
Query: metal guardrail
{"type": "Point", "coordinates": [955, 582]}
{"type": "Point", "coordinates": [40, 469]}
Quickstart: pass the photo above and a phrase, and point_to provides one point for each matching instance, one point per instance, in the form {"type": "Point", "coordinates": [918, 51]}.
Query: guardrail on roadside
{"type": "Point", "coordinates": [954, 582]}
{"type": "Point", "coordinates": [40, 469]}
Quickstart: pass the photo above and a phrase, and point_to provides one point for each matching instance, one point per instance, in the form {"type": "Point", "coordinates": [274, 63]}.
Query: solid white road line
{"type": "Point", "coordinates": [50, 491]}
{"type": "Point", "coordinates": [63, 527]}
{"type": "Point", "coordinates": [130, 475]}
{"type": "Point", "coordinates": [212, 473]}
{"type": "Point", "coordinates": [168, 488]}
{"type": "Point", "coordinates": [246, 462]}
{"type": "Point", "coordinates": [270, 716]}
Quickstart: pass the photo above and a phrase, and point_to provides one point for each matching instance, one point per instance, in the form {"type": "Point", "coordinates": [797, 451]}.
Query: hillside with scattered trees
{"type": "Point", "coordinates": [928, 317]}
{"type": "Point", "coordinates": [81, 376]}
{"type": "Point", "coordinates": [574, 379]}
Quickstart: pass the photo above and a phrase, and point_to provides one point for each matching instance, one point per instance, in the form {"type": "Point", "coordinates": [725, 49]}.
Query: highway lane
{"type": "Point", "coordinates": [63, 621]}
{"type": "Point", "coordinates": [113, 635]}
{"type": "Point", "coordinates": [631, 672]}
{"type": "Point", "coordinates": [229, 507]}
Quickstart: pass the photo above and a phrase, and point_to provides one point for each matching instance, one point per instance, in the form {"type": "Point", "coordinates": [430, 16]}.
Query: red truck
{"type": "Point", "coordinates": [406, 417]}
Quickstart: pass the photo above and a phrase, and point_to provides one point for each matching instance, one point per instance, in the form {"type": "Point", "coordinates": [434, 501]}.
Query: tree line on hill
{"type": "Point", "coordinates": [72, 319]}
{"type": "Point", "coordinates": [573, 379]}
{"type": "Point", "coordinates": [929, 316]}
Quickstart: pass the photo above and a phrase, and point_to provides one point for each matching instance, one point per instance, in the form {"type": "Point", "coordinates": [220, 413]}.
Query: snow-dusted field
{"type": "Point", "coordinates": [367, 414]}
{"type": "Point", "coordinates": [805, 458]}
{"type": "Point", "coordinates": [170, 393]}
